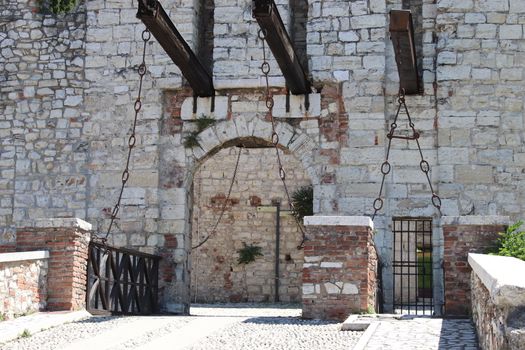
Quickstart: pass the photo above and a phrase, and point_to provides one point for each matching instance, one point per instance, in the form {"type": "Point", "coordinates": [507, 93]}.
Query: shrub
{"type": "Point", "coordinates": [58, 6]}
{"type": "Point", "coordinates": [303, 202]}
{"type": "Point", "coordinates": [512, 242]}
{"type": "Point", "coordinates": [248, 253]}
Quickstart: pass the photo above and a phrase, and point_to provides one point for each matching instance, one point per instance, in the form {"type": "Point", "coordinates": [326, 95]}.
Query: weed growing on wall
{"type": "Point", "coordinates": [58, 7]}
{"type": "Point", "coordinates": [512, 242]}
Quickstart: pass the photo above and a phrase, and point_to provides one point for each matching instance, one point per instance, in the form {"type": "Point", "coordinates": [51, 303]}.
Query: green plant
{"type": "Point", "coordinates": [203, 122]}
{"type": "Point", "coordinates": [302, 200]}
{"type": "Point", "coordinates": [248, 253]}
{"type": "Point", "coordinates": [512, 242]}
{"type": "Point", "coordinates": [58, 6]}
{"type": "Point", "coordinates": [25, 334]}
{"type": "Point", "coordinates": [2, 317]}
{"type": "Point", "coordinates": [191, 140]}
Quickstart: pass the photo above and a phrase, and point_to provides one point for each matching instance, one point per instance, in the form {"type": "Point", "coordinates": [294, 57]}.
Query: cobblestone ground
{"type": "Point", "coordinates": [217, 327]}
{"type": "Point", "coordinates": [424, 334]}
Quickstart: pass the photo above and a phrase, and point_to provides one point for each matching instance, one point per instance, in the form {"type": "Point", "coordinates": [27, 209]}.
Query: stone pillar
{"type": "Point", "coordinates": [463, 235]}
{"type": "Point", "coordinates": [340, 265]}
{"type": "Point", "coordinates": [67, 241]}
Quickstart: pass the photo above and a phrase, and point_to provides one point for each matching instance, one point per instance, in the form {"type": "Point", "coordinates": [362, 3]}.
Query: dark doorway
{"type": "Point", "coordinates": [412, 266]}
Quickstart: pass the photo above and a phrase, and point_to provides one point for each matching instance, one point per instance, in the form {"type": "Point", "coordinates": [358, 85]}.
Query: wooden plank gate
{"type": "Point", "coordinates": [121, 281]}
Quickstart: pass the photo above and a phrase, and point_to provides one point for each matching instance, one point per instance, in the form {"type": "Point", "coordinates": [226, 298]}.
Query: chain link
{"type": "Point", "coordinates": [137, 106]}
{"type": "Point", "coordinates": [224, 205]}
{"type": "Point", "coordinates": [386, 166]}
{"type": "Point", "coordinates": [265, 69]}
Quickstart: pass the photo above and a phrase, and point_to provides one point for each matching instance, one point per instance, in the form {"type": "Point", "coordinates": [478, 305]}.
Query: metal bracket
{"type": "Point", "coordinates": [151, 13]}
{"type": "Point", "coordinates": [402, 35]}
{"type": "Point", "coordinates": [269, 19]}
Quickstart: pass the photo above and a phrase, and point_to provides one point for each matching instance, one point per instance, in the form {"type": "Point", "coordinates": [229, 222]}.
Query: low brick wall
{"type": "Point", "coordinates": [340, 263]}
{"type": "Point", "coordinates": [67, 241]}
{"type": "Point", "coordinates": [23, 283]}
{"type": "Point", "coordinates": [498, 301]}
{"type": "Point", "coordinates": [464, 235]}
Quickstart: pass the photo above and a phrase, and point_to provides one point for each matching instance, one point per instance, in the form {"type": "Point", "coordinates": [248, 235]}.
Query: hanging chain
{"type": "Point", "coordinates": [386, 167]}
{"type": "Point", "coordinates": [265, 69]}
{"type": "Point", "coordinates": [146, 35]}
{"type": "Point", "coordinates": [224, 205]}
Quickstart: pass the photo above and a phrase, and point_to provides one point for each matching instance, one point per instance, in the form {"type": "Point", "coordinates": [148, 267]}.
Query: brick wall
{"type": "Point", "coordinates": [463, 235]}
{"type": "Point", "coordinates": [67, 244]}
{"type": "Point", "coordinates": [215, 274]}
{"type": "Point", "coordinates": [23, 283]}
{"type": "Point", "coordinates": [339, 274]}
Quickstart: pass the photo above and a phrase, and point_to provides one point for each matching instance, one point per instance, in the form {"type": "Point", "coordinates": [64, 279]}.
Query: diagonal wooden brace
{"type": "Point", "coordinates": [267, 15]}
{"type": "Point", "coordinates": [402, 35]}
{"type": "Point", "coordinates": [151, 13]}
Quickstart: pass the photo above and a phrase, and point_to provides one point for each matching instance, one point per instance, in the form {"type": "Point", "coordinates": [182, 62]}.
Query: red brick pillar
{"type": "Point", "coordinates": [463, 235]}
{"type": "Point", "coordinates": [339, 270]}
{"type": "Point", "coordinates": [67, 241]}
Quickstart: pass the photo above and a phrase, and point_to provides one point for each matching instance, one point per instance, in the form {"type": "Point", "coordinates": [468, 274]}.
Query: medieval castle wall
{"type": "Point", "coordinates": [68, 82]}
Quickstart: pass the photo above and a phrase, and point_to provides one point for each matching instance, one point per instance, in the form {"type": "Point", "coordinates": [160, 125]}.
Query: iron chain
{"type": "Point", "coordinates": [265, 69]}
{"type": "Point", "coordinates": [224, 205]}
{"type": "Point", "coordinates": [386, 166]}
{"type": "Point", "coordinates": [137, 106]}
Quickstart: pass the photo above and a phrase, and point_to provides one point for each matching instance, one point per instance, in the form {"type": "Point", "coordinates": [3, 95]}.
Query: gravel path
{"type": "Point", "coordinates": [224, 327]}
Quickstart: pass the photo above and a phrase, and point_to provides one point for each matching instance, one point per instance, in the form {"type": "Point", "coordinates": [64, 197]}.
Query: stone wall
{"type": "Point", "coordinates": [43, 156]}
{"type": "Point", "coordinates": [69, 82]}
{"type": "Point", "coordinates": [498, 301]}
{"type": "Point", "coordinates": [481, 113]}
{"type": "Point", "coordinates": [249, 218]}
{"type": "Point", "coordinates": [464, 235]}
{"type": "Point", "coordinates": [67, 242]}
{"type": "Point", "coordinates": [23, 283]}
{"type": "Point", "coordinates": [340, 266]}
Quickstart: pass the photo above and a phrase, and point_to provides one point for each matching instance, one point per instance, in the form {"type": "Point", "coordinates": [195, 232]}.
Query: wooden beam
{"type": "Point", "coordinates": [151, 13]}
{"type": "Point", "coordinates": [267, 15]}
{"type": "Point", "coordinates": [402, 35]}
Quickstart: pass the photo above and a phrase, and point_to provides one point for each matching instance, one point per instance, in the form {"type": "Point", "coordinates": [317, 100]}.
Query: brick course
{"type": "Point", "coordinates": [339, 274]}
{"type": "Point", "coordinates": [68, 248]}
{"type": "Point", "coordinates": [459, 241]}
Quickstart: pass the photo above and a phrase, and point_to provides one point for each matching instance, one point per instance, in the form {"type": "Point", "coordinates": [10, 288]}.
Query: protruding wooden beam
{"type": "Point", "coordinates": [402, 35]}
{"type": "Point", "coordinates": [267, 15]}
{"type": "Point", "coordinates": [151, 13]}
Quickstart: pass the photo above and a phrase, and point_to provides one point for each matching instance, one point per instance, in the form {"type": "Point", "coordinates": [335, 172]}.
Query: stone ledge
{"type": "Point", "coordinates": [503, 276]}
{"type": "Point", "coordinates": [22, 256]}
{"type": "Point", "coordinates": [475, 220]}
{"type": "Point", "coordinates": [62, 222]}
{"type": "Point", "coordinates": [338, 221]}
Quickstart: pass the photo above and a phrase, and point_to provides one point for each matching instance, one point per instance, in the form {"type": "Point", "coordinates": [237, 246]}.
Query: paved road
{"type": "Point", "coordinates": [423, 334]}
{"type": "Point", "coordinates": [210, 328]}
{"type": "Point", "coordinates": [253, 327]}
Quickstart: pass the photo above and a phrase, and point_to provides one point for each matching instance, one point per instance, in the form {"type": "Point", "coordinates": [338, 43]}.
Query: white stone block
{"type": "Point", "coordinates": [511, 31]}
{"type": "Point", "coordinates": [338, 221]}
{"type": "Point", "coordinates": [204, 105]}
{"type": "Point", "coordinates": [297, 106]}
{"type": "Point", "coordinates": [333, 288]}
{"type": "Point", "coordinates": [350, 288]}
{"type": "Point", "coordinates": [329, 265]}
{"type": "Point", "coordinates": [517, 6]}
{"type": "Point", "coordinates": [502, 276]}
{"type": "Point", "coordinates": [308, 288]}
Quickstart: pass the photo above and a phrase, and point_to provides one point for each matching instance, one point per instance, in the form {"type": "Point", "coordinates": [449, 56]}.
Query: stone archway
{"type": "Point", "coordinates": [178, 168]}
{"type": "Point", "coordinates": [250, 218]}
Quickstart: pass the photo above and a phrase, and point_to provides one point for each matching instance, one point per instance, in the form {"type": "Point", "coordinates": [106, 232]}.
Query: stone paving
{"type": "Point", "coordinates": [247, 326]}
{"type": "Point", "coordinates": [423, 334]}
{"type": "Point", "coordinates": [225, 327]}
